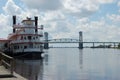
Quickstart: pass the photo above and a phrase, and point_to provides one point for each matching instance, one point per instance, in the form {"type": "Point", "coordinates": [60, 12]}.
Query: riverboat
{"type": "Point", "coordinates": [26, 38]}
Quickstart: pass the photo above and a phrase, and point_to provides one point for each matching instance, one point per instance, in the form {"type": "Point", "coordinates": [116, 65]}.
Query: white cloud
{"type": "Point", "coordinates": [78, 5]}
{"type": "Point", "coordinates": [83, 20]}
{"type": "Point", "coordinates": [11, 8]}
{"type": "Point", "coordinates": [106, 1]}
{"type": "Point", "coordinates": [83, 8]}
{"type": "Point", "coordinates": [80, 8]}
{"type": "Point", "coordinates": [43, 4]}
{"type": "Point", "coordinates": [75, 8]}
{"type": "Point", "coordinates": [114, 18]}
{"type": "Point", "coordinates": [4, 26]}
{"type": "Point", "coordinates": [118, 4]}
{"type": "Point", "coordinates": [53, 16]}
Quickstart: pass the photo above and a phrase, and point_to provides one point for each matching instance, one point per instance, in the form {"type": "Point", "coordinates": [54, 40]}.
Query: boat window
{"type": "Point", "coordinates": [36, 37]}
{"type": "Point", "coordinates": [25, 38]}
{"type": "Point", "coordinates": [29, 37]}
{"type": "Point", "coordinates": [25, 47]}
{"type": "Point", "coordinates": [40, 46]}
{"type": "Point", "coordinates": [33, 38]}
{"type": "Point", "coordinates": [21, 47]}
{"type": "Point", "coordinates": [18, 47]}
{"type": "Point", "coordinates": [21, 37]}
{"type": "Point", "coordinates": [15, 47]}
{"type": "Point", "coordinates": [30, 45]}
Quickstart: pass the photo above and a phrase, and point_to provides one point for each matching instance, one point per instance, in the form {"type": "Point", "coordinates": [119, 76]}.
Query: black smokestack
{"type": "Point", "coordinates": [14, 23]}
{"type": "Point", "coordinates": [36, 24]}
{"type": "Point", "coordinates": [14, 20]}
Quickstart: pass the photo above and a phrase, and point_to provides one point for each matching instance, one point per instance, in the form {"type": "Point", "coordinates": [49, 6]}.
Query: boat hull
{"type": "Point", "coordinates": [26, 55]}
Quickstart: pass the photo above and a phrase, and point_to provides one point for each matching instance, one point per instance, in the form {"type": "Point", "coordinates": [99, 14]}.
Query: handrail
{"type": "Point", "coordinates": [7, 61]}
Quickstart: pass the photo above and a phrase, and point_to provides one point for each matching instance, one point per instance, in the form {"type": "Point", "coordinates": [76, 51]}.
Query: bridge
{"type": "Point", "coordinates": [79, 41]}
{"type": "Point", "coordinates": [68, 40]}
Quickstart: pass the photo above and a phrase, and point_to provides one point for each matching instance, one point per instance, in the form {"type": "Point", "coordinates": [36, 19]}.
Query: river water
{"type": "Point", "coordinates": [72, 64]}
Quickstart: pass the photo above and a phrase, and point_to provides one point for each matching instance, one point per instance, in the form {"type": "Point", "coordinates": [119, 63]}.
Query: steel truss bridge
{"type": "Point", "coordinates": [69, 40]}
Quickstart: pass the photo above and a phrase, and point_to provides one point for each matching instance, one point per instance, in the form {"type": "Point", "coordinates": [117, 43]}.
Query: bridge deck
{"type": "Point", "coordinates": [78, 42]}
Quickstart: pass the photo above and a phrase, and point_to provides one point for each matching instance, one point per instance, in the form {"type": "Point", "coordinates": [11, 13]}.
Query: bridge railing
{"type": "Point", "coordinates": [7, 62]}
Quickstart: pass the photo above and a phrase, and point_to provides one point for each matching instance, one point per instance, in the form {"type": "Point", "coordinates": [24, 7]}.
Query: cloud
{"type": "Point", "coordinates": [53, 16]}
{"type": "Point", "coordinates": [76, 8]}
{"type": "Point", "coordinates": [114, 18]}
{"type": "Point", "coordinates": [79, 5]}
{"type": "Point", "coordinates": [118, 4]}
{"type": "Point", "coordinates": [5, 26]}
{"type": "Point", "coordinates": [80, 8]}
{"type": "Point", "coordinates": [43, 4]}
{"type": "Point", "coordinates": [11, 8]}
{"type": "Point", "coordinates": [83, 8]}
{"type": "Point", "coordinates": [106, 1]}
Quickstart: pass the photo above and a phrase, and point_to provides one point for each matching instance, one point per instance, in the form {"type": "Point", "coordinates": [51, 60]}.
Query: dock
{"type": "Point", "coordinates": [7, 68]}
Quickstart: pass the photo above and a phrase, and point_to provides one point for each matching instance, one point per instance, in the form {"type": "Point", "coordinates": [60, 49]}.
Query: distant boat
{"type": "Point", "coordinates": [26, 39]}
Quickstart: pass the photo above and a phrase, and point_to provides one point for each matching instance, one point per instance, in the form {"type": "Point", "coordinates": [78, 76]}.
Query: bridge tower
{"type": "Point", "coordinates": [80, 40]}
{"type": "Point", "coordinates": [46, 44]}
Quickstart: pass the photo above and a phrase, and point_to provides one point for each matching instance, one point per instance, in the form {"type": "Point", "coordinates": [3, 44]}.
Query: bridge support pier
{"type": "Point", "coordinates": [114, 45]}
{"type": "Point", "coordinates": [93, 45]}
{"type": "Point", "coordinates": [104, 45]}
{"type": "Point", "coordinates": [46, 44]}
{"type": "Point", "coordinates": [80, 40]}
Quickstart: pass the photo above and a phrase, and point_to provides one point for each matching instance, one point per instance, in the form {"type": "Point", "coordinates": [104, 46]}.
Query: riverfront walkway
{"type": "Point", "coordinates": [7, 68]}
{"type": "Point", "coordinates": [4, 75]}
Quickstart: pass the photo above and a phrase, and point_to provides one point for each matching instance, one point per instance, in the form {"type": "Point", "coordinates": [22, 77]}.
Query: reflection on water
{"type": "Point", "coordinates": [72, 64]}
{"type": "Point", "coordinates": [30, 69]}
{"type": "Point", "coordinates": [81, 58]}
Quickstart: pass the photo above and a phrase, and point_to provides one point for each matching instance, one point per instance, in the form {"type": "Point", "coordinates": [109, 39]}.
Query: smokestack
{"type": "Point", "coordinates": [14, 23]}
{"type": "Point", "coordinates": [36, 24]}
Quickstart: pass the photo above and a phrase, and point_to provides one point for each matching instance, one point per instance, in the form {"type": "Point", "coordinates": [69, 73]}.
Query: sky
{"type": "Point", "coordinates": [99, 20]}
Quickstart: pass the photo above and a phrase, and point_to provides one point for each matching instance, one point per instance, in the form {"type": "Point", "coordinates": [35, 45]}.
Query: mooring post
{"type": "Point", "coordinates": [46, 44]}
{"type": "Point", "coordinates": [80, 40]}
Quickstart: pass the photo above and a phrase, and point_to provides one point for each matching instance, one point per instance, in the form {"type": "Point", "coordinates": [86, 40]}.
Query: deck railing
{"type": "Point", "coordinates": [7, 62]}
